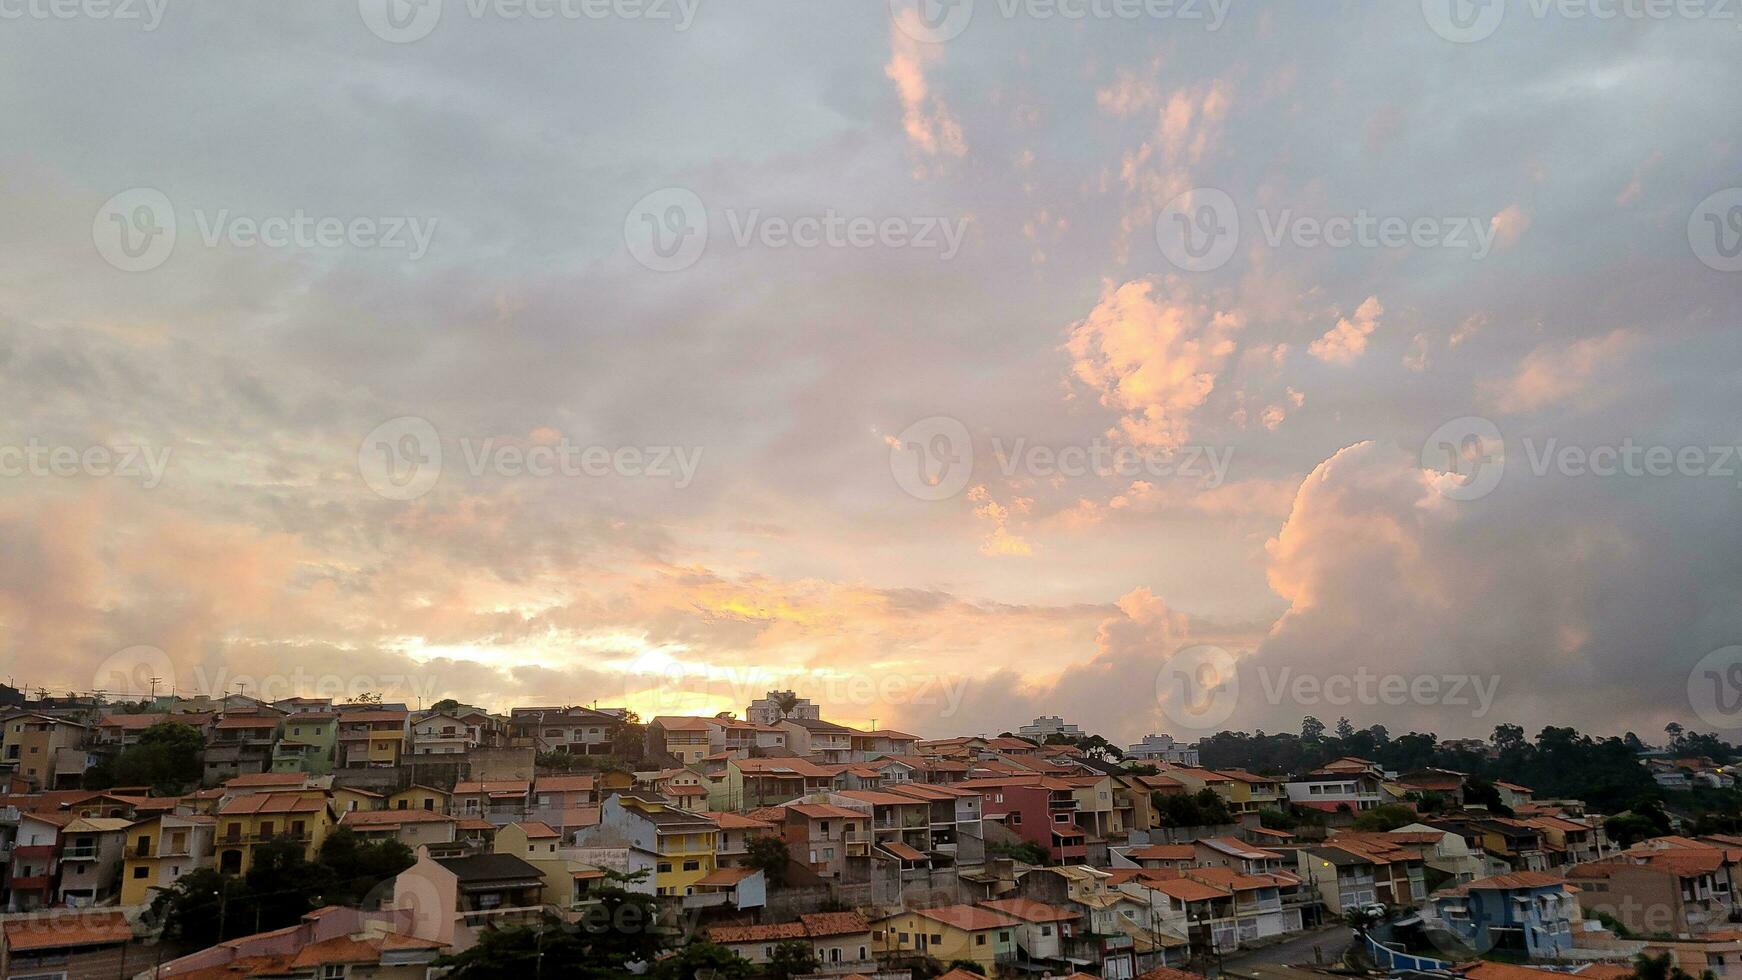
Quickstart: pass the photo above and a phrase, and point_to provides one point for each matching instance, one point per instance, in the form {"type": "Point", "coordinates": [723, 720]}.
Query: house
{"type": "Point", "coordinates": [1431, 782]}
{"type": "Point", "coordinates": [949, 933]}
{"type": "Point", "coordinates": [1159, 857]}
{"type": "Point", "coordinates": [1512, 795]}
{"type": "Point", "coordinates": [491, 883]}
{"type": "Point", "coordinates": [500, 801]}
{"type": "Point", "coordinates": [566, 802]}
{"type": "Point", "coordinates": [683, 738]}
{"type": "Point", "coordinates": [85, 945]}
{"type": "Point", "coordinates": [308, 743]}
{"type": "Point", "coordinates": [1041, 810]}
{"type": "Point", "coordinates": [738, 888]}
{"type": "Point", "coordinates": [957, 824]}
{"type": "Point", "coordinates": [1249, 793]}
{"type": "Point", "coordinates": [576, 730]}
{"type": "Point", "coordinates": [90, 860]}
{"type": "Point", "coordinates": [263, 782]}
{"type": "Point", "coordinates": [410, 827]}
{"type": "Point", "coordinates": [736, 832]}
{"type": "Point", "coordinates": [741, 738]}
{"type": "Point", "coordinates": [683, 843]}
{"type": "Point", "coordinates": [43, 749]}
{"type": "Point", "coordinates": [372, 739]}
{"type": "Point", "coordinates": [1447, 857]}
{"type": "Point", "coordinates": [35, 864]}
{"type": "Point", "coordinates": [330, 943]}
{"type": "Point", "coordinates": [827, 838]}
{"type": "Point", "coordinates": [244, 823]}
{"type": "Point", "coordinates": [420, 797]}
{"type": "Point", "coordinates": [840, 941]}
{"type": "Point", "coordinates": [1042, 930]}
{"type": "Point", "coordinates": [881, 743]}
{"type": "Point", "coordinates": [1346, 783]}
{"type": "Point", "coordinates": [121, 731]}
{"type": "Point", "coordinates": [440, 734]}
{"type": "Point", "coordinates": [1681, 891]}
{"type": "Point", "coordinates": [825, 740]}
{"type": "Point", "coordinates": [751, 783]}
{"type": "Point", "coordinates": [160, 850]}
{"type": "Point", "coordinates": [241, 743]}
{"type": "Point", "coordinates": [1526, 913]}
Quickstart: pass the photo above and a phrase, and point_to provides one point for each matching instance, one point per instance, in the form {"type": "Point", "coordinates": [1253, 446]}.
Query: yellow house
{"type": "Point", "coordinates": [347, 799]}
{"type": "Point", "coordinates": [565, 879]}
{"type": "Point", "coordinates": [246, 822]}
{"type": "Point", "coordinates": [1250, 793]}
{"type": "Point", "coordinates": [420, 797]}
{"type": "Point", "coordinates": [159, 850]}
{"type": "Point", "coordinates": [953, 932]}
{"type": "Point", "coordinates": [684, 739]}
{"type": "Point", "coordinates": [684, 844]}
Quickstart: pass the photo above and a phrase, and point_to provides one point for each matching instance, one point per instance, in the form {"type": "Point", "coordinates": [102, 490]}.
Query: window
{"type": "Point", "coordinates": [688, 865]}
{"type": "Point", "coordinates": [980, 939]}
{"type": "Point", "coordinates": [1046, 930]}
{"type": "Point", "coordinates": [1004, 937]}
{"type": "Point", "coordinates": [665, 867]}
{"type": "Point", "coordinates": [333, 971]}
{"type": "Point", "coordinates": [141, 872]}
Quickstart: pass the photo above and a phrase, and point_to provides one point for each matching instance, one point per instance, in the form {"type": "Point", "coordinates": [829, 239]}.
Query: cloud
{"type": "Point", "coordinates": [1345, 342]}
{"type": "Point", "coordinates": [1552, 374]}
{"type": "Point", "coordinates": [1509, 225]}
{"type": "Point", "coordinates": [1151, 359]}
{"type": "Point", "coordinates": [931, 128]}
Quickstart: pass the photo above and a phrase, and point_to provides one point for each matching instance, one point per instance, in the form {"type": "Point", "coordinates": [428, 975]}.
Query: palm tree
{"type": "Point", "coordinates": [786, 702]}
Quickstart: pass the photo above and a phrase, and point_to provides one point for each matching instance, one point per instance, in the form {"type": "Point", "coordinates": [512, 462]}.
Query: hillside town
{"type": "Point", "coordinates": [204, 838]}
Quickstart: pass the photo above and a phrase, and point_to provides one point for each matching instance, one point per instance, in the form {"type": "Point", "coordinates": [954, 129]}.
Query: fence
{"type": "Point", "coordinates": [1391, 959]}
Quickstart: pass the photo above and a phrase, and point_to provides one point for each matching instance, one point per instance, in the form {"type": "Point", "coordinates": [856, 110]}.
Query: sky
{"type": "Point", "coordinates": [1166, 365]}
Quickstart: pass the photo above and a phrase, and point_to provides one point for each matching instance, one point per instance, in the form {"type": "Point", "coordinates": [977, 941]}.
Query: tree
{"type": "Point", "coordinates": [367, 697]}
{"type": "Point", "coordinates": [1027, 852]}
{"type": "Point", "coordinates": [768, 854]}
{"type": "Point", "coordinates": [785, 702]}
{"type": "Point", "coordinates": [195, 911]}
{"type": "Point", "coordinates": [166, 758]}
{"type": "Point", "coordinates": [1311, 729]}
{"type": "Point", "coordinates": [1507, 737]}
{"type": "Point", "coordinates": [360, 866]}
{"type": "Point", "coordinates": [1345, 729]}
{"type": "Point", "coordinates": [1663, 967]}
{"type": "Point", "coordinates": [791, 959]}
{"type": "Point", "coordinates": [444, 706]}
{"type": "Point", "coordinates": [1388, 817]}
{"type": "Point", "coordinates": [704, 959]}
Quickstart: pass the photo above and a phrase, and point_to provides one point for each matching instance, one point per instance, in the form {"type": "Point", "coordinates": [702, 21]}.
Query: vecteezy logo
{"type": "Point", "coordinates": [134, 231]}
{"type": "Point", "coordinates": [1715, 230]}
{"type": "Point", "coordinates": [401, 459]}
{"type": "Point", "coordinates": [1715, 688]}
{"type": "Point", "coordinates": [1471, 455]}
{"type": "Point", "coordinates": [1198, 687]}
{"type": "Point", "coordinates": [667, 230]}
{"type": "Point", "coordinates": [933, 458]}
{"type": "Point", "coordinates": [136, 672]}
{"type": "Point", "coordinates": [1464, 21]}
{"type": "Point", "coordinates": [1199, 229]}
{"type": "Point", "coordinates": [400, 21]}
{"type": "Point", "coordinates": [931, 21]}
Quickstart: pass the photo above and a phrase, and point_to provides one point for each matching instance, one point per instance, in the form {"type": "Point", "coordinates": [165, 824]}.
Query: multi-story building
{"type": "Point", "coordinates": [307, 743]}
{"type": "Point", "coordinates": [957, 823]}
{"type": "Point", "coordinates": [839, 941]}
{"type": "Point", "coordinates": [240, 744]}
{"type": "Point", "coordinates": [1526, 913]}
{"type": "Point", "coordinates": [881, 743]}
{"type": "Point", "coordinates": [833, 841]}
{"type": "Point", "coordinates": [767, 710]}
{"type": "Point", "coordinates": [1162, 748]}
{"type": "Point", "coordinates": [1330, 789]}
{"type": "Point", "coordinates": [35, 865]}
{"type": "Point", "coordinates": [371, 739]}
{"type": "Point", "coordinates": [750, 783]}
{"type": "Point", "coordinates": [685, 739]}
{"type": "Point", "coordinates": [500, 801]}
{"type": "Point", "coordinates": [1040, 809]}
{"type": "Point", "coordinates": [440, 734]}
{"type": "Point", "coordinates": [1671, 891]}
{"type": "Point", "coordinates": [736, 833]}
{"type": "Point", "coordinates": [577, 730]}
{"type": "Point", "coordinates": [160, 850]}
{"type": "Point", "coordinates": [90, 860]}
{"type": "Point", "coordinates": [413, 828]}
{"type": "Point", "coordinates": [247, 822]}
{"type": "Point", "coordinates": [684, 844]}
{"type": "Point", "coordinates": [820, 739]}
{"type": "Point", "coordinates": [38, 748]}
{"type": "Point", "coordinates": [1048, 725]}
{"type": "Point", "coordinates": [953, 932]}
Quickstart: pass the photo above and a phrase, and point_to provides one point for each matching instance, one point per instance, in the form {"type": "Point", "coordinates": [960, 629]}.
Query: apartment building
{"type": "Point", "coordinates": [1041, 810]}
{"type": "Point", "coordinates": [1162, 748]}
{"type": "Point", "coordinates": [833, 841]}
{"type": "Point", "coordinates": [43, 750]}
{"type": "Point", "coordinates": [767, 710]}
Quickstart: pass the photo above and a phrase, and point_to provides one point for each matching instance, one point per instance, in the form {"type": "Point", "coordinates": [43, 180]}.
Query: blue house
{"type": "Point", "coordinates": [1527, 912]}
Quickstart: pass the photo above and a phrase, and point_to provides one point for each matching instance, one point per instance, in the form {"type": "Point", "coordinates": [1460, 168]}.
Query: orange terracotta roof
{"type": "Point", "coordinates": [968, 918]}
{"type": "Point", "coordinates": [819, 925]}
{"type": "Point", "coordinates": [63, 928]}
{"type": "Point", "coordinates": [1029, 910]}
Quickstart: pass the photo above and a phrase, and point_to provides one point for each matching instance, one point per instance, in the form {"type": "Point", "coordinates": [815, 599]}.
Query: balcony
{"type": "Point", "coordinates": [79, 854]}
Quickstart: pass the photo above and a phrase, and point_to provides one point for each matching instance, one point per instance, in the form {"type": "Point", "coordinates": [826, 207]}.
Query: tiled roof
{"type": "Point", "coordinates": [819, 925]}
{"type": "Point", "coordinates": [722, 877]}
{"type": "Point", "coordinates": [64, 928]}
{"type": "Point", "coordinates": [563, 784]}
{"type": "Point", "coordinates": [256, 779]}
{"type": "Point", "coordinates": [266, 803]}
{"type": "Point", "coordinates": [393, 818]}
{"type": "Point", "coordinates": [1029, 910]}
{"type": "Point", "coordinates": [775, 932]}
{"type": "Point", "coordinates": [968, 917]}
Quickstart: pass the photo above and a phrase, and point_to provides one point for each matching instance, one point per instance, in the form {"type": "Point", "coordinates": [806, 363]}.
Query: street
{"type": "Point", "coordinates": [1331, 942]}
